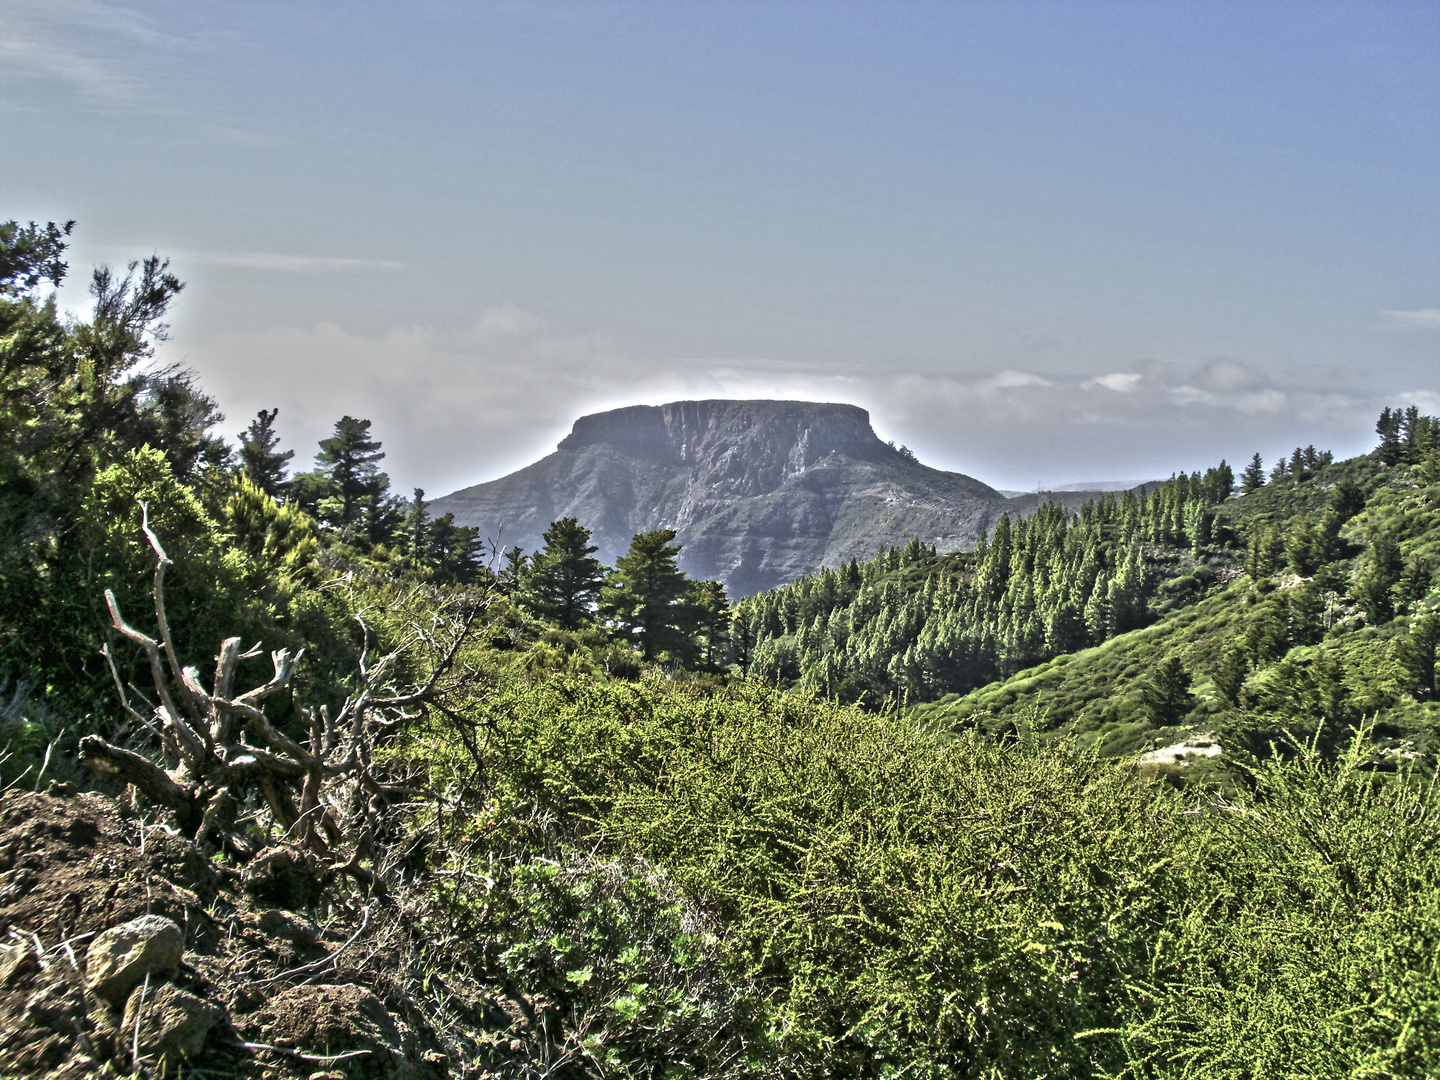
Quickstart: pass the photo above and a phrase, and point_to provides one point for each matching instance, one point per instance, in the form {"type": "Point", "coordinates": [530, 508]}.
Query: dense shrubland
{"type": "Point", "coordinates": [811, 889]}
{"type": "Point", "coordinates": [628, 829]}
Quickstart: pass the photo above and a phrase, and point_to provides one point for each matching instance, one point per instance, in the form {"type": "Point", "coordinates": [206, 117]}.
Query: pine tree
{"type": "Point", "coordinates": [1373, 585]}
{"type": "Point", "coordinates": [1417, 654]}
{"type": "Point", "coordinates": [1166, 694]}
{"type": "Point", "coordinates": [350, 459]}
{"type": "Point", "coordinates": [563, 580]}
{"type": "Point", "coordinates": [1229, 677]}
{"type": "Point", "coordinates": [417, 525]}
{"type": "Point", "coordinates": [457, 551]}
{"type": "Point", "coordinates": [712, 608]}
{"type": "Point", "coordinates": [647, 595]}
{"type": "Point", "coordinates": [1253, 478]}
{"type": "Point", "coordinates": [1388, 428]}
{"type": "Point", "coordinates": [260, 462]}
{"type": "Point", "coordinates": [1219, 482]}
{"type": "Point", "coordinates": [1301, 548]}
{"type": "Point", "coordinates": [742, 634]}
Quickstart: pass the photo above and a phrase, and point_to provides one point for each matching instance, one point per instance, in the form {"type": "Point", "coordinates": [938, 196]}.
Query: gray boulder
{"type": "Point", "coordinates": [120, 958]}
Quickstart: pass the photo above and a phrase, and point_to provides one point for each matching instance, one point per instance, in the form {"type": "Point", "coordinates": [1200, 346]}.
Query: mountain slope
{"type": "Point", "coordinates": [760, 492]}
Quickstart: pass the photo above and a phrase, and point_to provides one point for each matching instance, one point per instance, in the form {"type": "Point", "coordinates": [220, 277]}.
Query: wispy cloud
{"type": "Point", "coordinates": [284, 264]}
{"type": "Point", "coordinates": [84, 44]}
{"type": "Point", "coordinates": [456, 409]}
{"type": "Point", "coordinates": [1427, 317]}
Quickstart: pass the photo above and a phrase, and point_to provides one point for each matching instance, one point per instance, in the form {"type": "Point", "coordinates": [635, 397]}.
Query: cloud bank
{"type": "Point", "coordinates": [457, 409]}
{"type": "Point", "coordinates": [1424, 317]}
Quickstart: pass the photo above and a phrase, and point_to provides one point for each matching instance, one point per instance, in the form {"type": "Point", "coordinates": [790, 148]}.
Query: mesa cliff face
{"type": "Point", "coordinates": [760, 492]}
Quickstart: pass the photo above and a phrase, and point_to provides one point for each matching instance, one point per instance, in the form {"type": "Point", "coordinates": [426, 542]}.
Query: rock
{"type": "Point", "coordinates": [292, 928]}
{"type": "Point", "coordinates": [760, 492]}
{"type": "Point", "coordinates": [120, 958]}
{"type": "Point", "coordinates": [286, 876]}
{"type": "Point", "coordinates": [340, 1020]}
{"type": "Point", "coordinates": [173, 1023]}
{"type": "Point", "coordinates": [16, 962]}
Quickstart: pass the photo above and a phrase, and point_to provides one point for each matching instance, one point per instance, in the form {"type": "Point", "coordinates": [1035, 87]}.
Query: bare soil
{"type": "Point", "coordinates": [305, 987]}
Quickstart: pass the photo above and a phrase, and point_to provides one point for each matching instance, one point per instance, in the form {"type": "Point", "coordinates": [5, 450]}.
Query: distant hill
{"type": "Point", "coordinates": [760, 492]}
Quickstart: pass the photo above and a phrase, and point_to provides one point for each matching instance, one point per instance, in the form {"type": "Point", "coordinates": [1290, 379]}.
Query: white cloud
{"type": "Point", "coordinates": [1010, 380]}
{"type": "Point", "coordinates": [1427, 401]}
{"type": "Point", "coordinates": [1223, 375]}
{"type": "Point", "coordinates": [285, 264]}
{"type": "Point", "coordinates": [456, 409]}
{"type": "Point", "coordinates": [1121, 382]}
{"type": "Point", "coordinates": [1423, 317]}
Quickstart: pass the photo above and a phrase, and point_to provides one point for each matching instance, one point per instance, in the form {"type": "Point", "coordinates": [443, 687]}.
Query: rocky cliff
{"type": "Point", "coordinates": [760, 492]}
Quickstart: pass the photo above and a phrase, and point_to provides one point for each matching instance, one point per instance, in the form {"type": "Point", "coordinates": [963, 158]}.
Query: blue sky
{"type": "Point", "coordinates": [1041, 242]}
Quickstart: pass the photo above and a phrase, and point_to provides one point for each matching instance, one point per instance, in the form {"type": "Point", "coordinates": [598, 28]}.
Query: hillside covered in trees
{"type": "Point", "coordinates": [483, 814]}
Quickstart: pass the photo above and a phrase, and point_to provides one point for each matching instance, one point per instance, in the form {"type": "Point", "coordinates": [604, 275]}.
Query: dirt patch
{"type": "Point", "coordinates": [74, 867]}
{"type": "Point", "coordinates": [67, 869]}
{"type": "Point", "coordinates": [354, 1027]}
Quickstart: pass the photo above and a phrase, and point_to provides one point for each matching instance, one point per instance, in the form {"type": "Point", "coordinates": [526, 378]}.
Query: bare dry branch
{"type": "Point", "coordinates": [162, 622]}
{"type": "Point", "coordinates": [323, 789]}
{"type": "Point", "coordinates": [225, 662]}
{"type": "Point", "coordinates": [125, 765]}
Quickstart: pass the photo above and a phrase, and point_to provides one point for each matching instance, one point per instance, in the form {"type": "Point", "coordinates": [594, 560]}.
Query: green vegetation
{"type": "Point", "coordinates": [914, 624]}
{"type": "Point", "coordinates": [884, 822]}
{"type": "Point", "coordinates": [853, 895]}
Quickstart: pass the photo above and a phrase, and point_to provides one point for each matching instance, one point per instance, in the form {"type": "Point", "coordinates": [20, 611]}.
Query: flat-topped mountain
{"type": "Point", "coordinates": [760, 492]}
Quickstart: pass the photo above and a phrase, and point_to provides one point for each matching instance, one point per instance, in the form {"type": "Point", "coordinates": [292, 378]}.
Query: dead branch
{"type": "Point", "coordinates": [217, 745]}
{"type": "Point", "coordinates": [131, 768]}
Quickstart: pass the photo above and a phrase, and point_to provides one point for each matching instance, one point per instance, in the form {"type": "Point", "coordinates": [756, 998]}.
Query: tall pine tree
{"type": "Point", "coordinates": [647, 595]}
{"type": "Point", "coordinates": [350, 459]}
{"type": "Point", "coordinates": [563, 580]}
{"type": "Point", "coordinates": [261, 460]}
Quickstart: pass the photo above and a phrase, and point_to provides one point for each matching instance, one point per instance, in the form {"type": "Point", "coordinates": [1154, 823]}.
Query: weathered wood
{"type": "Point", "coordinates": [125, 765]}
{"type": "Point", "coordinates": [219, 744]}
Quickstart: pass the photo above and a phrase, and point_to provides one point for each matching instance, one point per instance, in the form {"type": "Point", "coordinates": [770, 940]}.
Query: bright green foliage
{"type": "Point", "coordinates": [1308, 945]}
{"type": "Point", "coordinates": [878, 902]}
{"type": "Point", "coordinates": [562, 582]}
{"type": "Point", "coordinates": [916, 624]}
{"type": "Point", "coordinates": [280, 540]}
{"type": "Point", "coordinates": [647, 596]}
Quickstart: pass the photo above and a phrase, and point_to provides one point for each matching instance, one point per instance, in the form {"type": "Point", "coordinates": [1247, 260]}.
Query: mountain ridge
{"type": "Point", "coordinates": [759, 491]}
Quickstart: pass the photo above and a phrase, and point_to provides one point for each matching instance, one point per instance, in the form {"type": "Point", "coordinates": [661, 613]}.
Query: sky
{"type": "Point", "coordinates": [1043, 243]}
